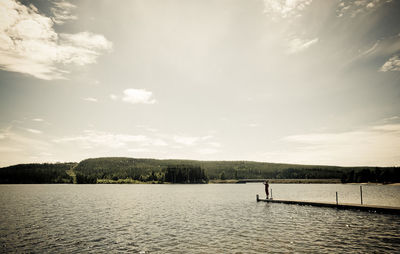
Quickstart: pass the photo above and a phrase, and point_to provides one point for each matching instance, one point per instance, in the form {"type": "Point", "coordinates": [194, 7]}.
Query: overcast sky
{"type": "Point", "coordinates": [295, 81]}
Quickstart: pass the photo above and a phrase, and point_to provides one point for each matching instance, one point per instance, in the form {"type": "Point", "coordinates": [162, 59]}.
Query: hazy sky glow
{"type": "Point", "coordinates": [295, 81]}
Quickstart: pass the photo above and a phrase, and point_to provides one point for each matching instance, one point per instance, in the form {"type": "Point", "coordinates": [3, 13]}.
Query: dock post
{"type": "Point", "coordinates": [361, 194]}
{"type": "Point", "coordinates": [257, 198]}
{"type": "Point", "coordinates": [337, 202]}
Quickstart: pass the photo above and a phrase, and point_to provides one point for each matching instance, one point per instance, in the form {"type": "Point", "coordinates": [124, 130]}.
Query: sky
{"type": "Point", "coordinates": [296, 81]}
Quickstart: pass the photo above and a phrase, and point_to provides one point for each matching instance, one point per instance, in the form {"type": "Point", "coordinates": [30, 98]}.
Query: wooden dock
{"type": "Point", "coordinates": [344, 206]}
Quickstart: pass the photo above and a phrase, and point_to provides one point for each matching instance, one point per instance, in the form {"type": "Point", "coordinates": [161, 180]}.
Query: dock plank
{"type": "Point", "coordinates": [344, 206]}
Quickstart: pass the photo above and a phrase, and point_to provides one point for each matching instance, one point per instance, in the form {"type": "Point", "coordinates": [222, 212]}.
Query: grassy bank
{"type": "Point", "coordinates": [125, 181]}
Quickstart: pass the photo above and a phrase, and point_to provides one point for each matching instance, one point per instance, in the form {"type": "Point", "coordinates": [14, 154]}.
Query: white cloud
{"type": "Point", "coordinates": [208, 151]}
{"type": "Point", "coordinates": [147, 128]}
{"type": "Point", "coordinates": [138, 96]}
{"type": "Point", "coordinates": [370, 5]}
{"type": "Point", "coordinates": [390, 119]}
{"type": "Point", "coordinates": [367, 146]}
{"type": "Point", "coordinates": [393, 64]}
{"type": "Point", "coordinates": [285, 8]}
{"type": "Point", "coordinates": [385, 47]}
{"type": "Point", "coordinates": [45, 154]}
{"type": "Point", "coordinates": [37, 120]}
{"type": "Point", "coordinates": [297, 45]}
{"type": "Point", "coordinates": [62, 12]}
{"type": "Point", "coordinates": [16, 147]}
{"type": "Point", "coordinates": [113, 97]}
{"type": "Point", "coordinates": [387, 127]}
{"type": "Point", "coordinates": [7, 149]}
{"type": "Point", "coordinates": [87, 40]}
{"type": "Point", "coordinates": [91, 99]}
{"type": "Point", "coordinates": [29, 44]}
{"type": "Point", "coordinates": [152, 129]}
{"type": "Point", "coordinates": [139, 150]}
{"type": "Point", "coordinates": [92, 138]}
{"type": "Point", "coordinates": [158, 142]}
{"type": "Point", "coordinates": [355, 7]}
{"type": "Point", "coordinates": [81, 48]}
{"type": "Point", "coordinates": [214, 144]}
{"type": "Point", "coordinates": [33, 131]}
{"type": "Point", "coordinates": [188, 140]}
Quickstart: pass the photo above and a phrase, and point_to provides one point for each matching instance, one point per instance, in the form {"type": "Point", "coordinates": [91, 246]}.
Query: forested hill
{"type": "Point", "coordinates": [37, 173]}
{"type": "Point", "coordinates": [131, 170]}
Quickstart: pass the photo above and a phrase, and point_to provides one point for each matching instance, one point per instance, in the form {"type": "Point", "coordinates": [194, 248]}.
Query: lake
{"type": "Point", "coordinates": [203, 218]}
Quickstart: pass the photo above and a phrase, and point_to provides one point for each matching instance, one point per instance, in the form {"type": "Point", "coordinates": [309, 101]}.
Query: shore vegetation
{"type": "Point", "coordinates": [123, 170]}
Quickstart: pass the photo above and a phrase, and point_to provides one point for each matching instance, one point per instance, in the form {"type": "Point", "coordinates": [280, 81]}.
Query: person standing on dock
{"type": "Point", "coordinates": [266, 188]}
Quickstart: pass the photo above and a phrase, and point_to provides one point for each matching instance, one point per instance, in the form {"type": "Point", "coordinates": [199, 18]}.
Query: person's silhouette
{"type": "Point", "coordinates": [266, 188]}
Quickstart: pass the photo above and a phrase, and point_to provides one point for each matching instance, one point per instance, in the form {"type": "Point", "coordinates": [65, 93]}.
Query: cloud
{"type": "Point", "coordinates": [387, 127]}
{"type": "Point", "coordinates": [91, 99]}
{"type": "Point", "coordinates": [152, 129]}
{"type": "Point", "coordinates": [139, 150]}
{"type": "Point", "coordinates": [29, 44]}
{"type": "Point", "coordinates": [92, 138]}
{"type": "Point", "coordinates": [33, 131]}
{"type": "Point", "coordinates": [369, 146]}
{"type": "Point", "coordinates": [62, 12]}
{"type": "Point", "coordinates": [87, 40]}
{"type": "Point", "coordinates": [37, 120]}
{"type": "Point", "coordinates": [208, 151]}
{"type": "Point", "coordinates": [355, 7]}
{"type": "Point", "coordinates": [285, 8]}
{"type": "Point", "coordinates": [16, 147]}
{"type": "Point", "coordinates": [9, 149]}
{"type": "Point", "coordinates": [393, 64]}
{"type": "Point", "coordinates": [214, 144]}
{"type": "Point", "coordinates": [384, 48]}
{"type": "Point", "coordinates": [45, 154]}
{"type": "Point", "coordinates": [81, 48]}
{"type": "Point", "coordinates": [189, 140]}
{"type": "Point", "coordinates": [390, 119]}
{"type": "Point", "coordinates": [113, 97]}
{"type": "Point", "coordinates": [297, 45]}
{"type": "Point", "coordinates": [138, 96]}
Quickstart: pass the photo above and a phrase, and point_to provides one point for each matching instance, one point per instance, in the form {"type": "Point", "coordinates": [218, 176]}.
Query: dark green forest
{"type": "Point", "coordinates": [130, 170]}
{"type": "Point", "coordinates": [36, 173]}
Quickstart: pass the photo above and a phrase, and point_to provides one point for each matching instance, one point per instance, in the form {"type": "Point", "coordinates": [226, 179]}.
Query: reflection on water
{"type": "Point", "coordinates": [193, 218]}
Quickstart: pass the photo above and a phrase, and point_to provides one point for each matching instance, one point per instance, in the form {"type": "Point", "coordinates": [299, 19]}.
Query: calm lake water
{"type": "Point", "coordinates": [193, 219]}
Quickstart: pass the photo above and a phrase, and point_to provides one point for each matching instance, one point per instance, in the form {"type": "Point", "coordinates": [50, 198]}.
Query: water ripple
{"type": "Point", "coordinates": [186, 219]}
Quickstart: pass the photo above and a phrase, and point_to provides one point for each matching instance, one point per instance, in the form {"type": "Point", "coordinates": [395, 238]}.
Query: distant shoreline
{"type": "Point", "coordinates": [301, 181]}
{"type": "Point", "coordinates": [227, 181]}
{"type": "Point", "coordinates": [124, 170]}
{"type": "Point", "coordinates": [295, 181]}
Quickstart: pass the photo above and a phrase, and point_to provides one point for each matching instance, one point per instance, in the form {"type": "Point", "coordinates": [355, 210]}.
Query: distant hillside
{"type": "Point", "coordinates": [131, 170]}
{"type": "Point", "coordinates": [90, 170]}
{"type": "Point", "coordinates": [36, 173]}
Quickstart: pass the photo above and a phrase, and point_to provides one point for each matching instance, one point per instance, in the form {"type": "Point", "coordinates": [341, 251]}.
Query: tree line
{"type": "Point", "coordinates": [36, 173]}
{"type": "Point", "coordinates": [185, 174]}
{"type": "Point", "coordinates": [121, 169]}
{"type": "Point", "coordinates": [142, 170]}
{"type": "Point", "coordinates": [373, 175]}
